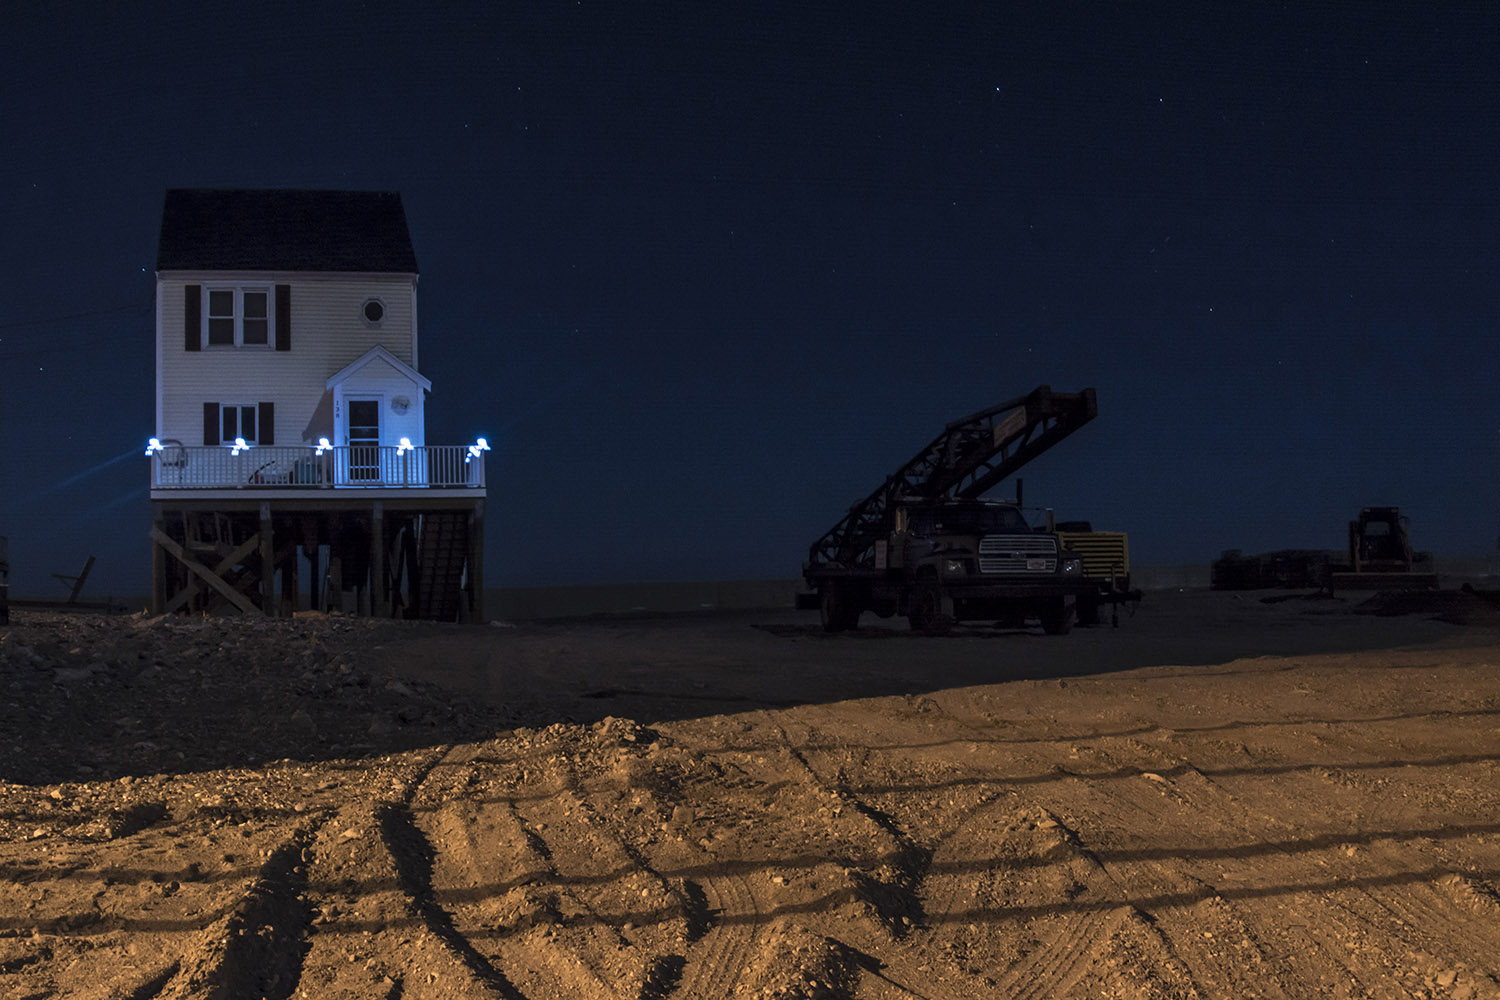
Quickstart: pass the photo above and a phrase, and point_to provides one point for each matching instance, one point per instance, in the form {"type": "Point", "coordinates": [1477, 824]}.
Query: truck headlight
{"type": "Point", "coordinates": [955, 567]}
{"type": "Point", "coordinates": [1073, 567]}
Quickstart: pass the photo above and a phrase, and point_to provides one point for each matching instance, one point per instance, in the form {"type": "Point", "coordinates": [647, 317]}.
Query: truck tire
{"type": "Point", "coordinates": [1057, 617]}
{"type": "Point", "coordinates": [837, 610]}
{"type": "Point", "coordinates": [927, 609]}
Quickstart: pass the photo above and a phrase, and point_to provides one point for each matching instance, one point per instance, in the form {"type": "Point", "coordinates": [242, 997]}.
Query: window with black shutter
{"type": "Point", "coordinates": [267, 423]}
{"type": "Point", "coordinates": [223, 423]}
{"type": "Point", "coordinates": [283, 317]}
{"type": "Point", "coordinates": [192, 317]}
{"type": "Point", "coordinates": [237, 316]}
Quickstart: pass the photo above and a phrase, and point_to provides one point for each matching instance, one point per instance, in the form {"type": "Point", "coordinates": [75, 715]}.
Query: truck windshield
{"type": "Point", "coordinates": [971, 521]}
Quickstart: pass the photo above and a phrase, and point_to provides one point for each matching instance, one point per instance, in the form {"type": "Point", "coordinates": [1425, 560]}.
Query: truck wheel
{"type": "Point", "coordinates": [837, 611]}
{"type": "Point", "coordinates": [1057, 617]}
{"type": "Point", "coordinates": [927, 610]}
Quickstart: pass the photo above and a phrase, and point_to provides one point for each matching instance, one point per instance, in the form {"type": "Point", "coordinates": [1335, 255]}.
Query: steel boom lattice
{"type": "Point", "coordinates": [968, 459]}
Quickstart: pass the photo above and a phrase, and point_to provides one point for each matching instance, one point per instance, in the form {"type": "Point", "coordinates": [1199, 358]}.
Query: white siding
{"type": "Point", "coordinates": [328, 331]}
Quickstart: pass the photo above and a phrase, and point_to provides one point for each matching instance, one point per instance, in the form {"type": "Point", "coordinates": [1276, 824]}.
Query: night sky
{"type": "Point", "coordinates": [703, 273]}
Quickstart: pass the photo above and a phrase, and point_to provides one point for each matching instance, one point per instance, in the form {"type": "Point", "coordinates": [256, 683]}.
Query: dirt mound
{"type": "Point", "coordinates": [1456, 607]}
{"type": "Point", "coordinates": [101, 697]}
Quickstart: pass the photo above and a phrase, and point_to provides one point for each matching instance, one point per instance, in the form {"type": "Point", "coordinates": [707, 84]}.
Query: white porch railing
{"type": "Point", "coordinates": [180, 467]}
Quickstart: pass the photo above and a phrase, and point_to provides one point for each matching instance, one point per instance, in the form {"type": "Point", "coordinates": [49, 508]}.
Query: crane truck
{"type": "Point", "coordinates": [927, 545]}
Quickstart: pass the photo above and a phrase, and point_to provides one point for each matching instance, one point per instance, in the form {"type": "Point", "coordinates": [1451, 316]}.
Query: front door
{"type": "Point", "coordinates": [364, 440]}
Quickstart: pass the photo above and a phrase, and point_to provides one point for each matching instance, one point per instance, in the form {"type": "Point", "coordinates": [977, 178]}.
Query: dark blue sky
{"type": "Point", "coordinates": [705, 273]}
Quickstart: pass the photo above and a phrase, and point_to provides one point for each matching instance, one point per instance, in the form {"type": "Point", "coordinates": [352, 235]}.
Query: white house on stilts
{"type": "Point", "coordinates": [291, 415]}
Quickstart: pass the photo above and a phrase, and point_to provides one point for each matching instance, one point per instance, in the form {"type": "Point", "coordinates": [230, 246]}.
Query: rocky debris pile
{"type": "Point", "coordinates": [1456, 607]}
{"type": "Point", "coordinates": [796, 964]}
{"type": "Point", "coordinates": [100, 697]}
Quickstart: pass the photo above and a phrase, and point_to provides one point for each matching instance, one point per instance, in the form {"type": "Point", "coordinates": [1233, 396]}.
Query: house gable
{"type": "Point", "coordinates": [387, 364]}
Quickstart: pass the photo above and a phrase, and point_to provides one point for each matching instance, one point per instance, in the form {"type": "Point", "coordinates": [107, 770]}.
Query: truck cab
{"type": "Point", "coordinates": [964, 539]}
{"type": "Point", "coordinates": [962, 560]}
{"type": "Point", "coordinates": [977, 560]}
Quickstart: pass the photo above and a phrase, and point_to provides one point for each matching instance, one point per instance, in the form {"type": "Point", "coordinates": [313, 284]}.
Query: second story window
{"type": "Point", "coordinates": [226, 314]}
{"type": "Point", "coordinates": [237, 422]}
{"type": "Point", "coordinates": [221, 316]}
{"type": "Point", "coordinates": [256, 322]}
{"type": "Point", "coordinates": [237, 317]}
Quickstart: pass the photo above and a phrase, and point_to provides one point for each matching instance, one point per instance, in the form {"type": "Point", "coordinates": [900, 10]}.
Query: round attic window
{"type": "Point", "coordinates": [374, 311]}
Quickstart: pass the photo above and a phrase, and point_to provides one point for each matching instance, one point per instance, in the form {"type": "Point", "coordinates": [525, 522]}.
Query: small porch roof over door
{"type": "Point", "coordinates": [378, 354]}
{"type": "Point", "coordinates": [398, 389]}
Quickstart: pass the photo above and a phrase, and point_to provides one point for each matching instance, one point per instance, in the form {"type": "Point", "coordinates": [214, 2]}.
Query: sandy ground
{"type": "Point", "coordinates": [1223, 797]}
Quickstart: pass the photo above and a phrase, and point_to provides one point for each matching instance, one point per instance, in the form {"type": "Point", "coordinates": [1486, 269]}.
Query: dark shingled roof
{"type": "Point", "coordinates": [284, 230]}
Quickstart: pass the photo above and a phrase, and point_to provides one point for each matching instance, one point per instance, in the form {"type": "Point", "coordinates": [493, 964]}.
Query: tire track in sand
{"type": "Point", "coordinates": [1221, 944]}
{"type": "Point", "coordinates": [1381, 898]}
{"type": "Point", "coordinates": [378, 930]}
{"type": "Point", "coordinates": [1043, 913]}
{"type": "Point", "coordinates": [413, 856]}
{"type": "Point", "coordinates": [714, 964]}
{"type": "Point", "coordinates": [257, 951]}
{"type": "Point", "coordinates": [710, 949]}
{"type": "Point", "coordinates": [892, 949]}
{"type": "Point", "coordinates": [542, 880]}
{"type": "Point", "coordinates": [506, 883]}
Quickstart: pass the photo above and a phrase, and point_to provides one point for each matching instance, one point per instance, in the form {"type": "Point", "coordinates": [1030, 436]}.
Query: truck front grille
{"type": "Point", "coordinates": [1018, 554]}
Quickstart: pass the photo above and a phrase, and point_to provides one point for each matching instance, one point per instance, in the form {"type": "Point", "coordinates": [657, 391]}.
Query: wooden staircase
{"type": "Point", "coordinates": [442, 552]}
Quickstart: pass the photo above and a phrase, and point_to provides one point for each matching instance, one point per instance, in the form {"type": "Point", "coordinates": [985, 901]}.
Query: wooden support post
{"type": "Point", "coordinates": [476, 562]}
{"type": "Point", "coordinates": [158, 564]}
{"type": "Point", "coordinates": [4, 582]}
{"type": "Point", "coordinates": [413, 566]}
{"type": "Point", "coordinates": [267, 563]}
{"type": "Point", "coordinates": [335, 583]}
{"type": "Point", "coordinates": [379, 607]}
{"type": "Point", "coordinates": [289, 583]}
{"type": "Point", "coordinates": [315, 581]}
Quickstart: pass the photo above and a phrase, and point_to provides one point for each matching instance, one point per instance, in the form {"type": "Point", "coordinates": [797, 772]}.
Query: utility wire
{"type": "Point", "coordinates": [18, 324]}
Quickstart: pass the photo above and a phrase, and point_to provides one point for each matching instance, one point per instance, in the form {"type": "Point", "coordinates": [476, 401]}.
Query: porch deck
{"type": "Point", "coordinates": [292, 470]}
